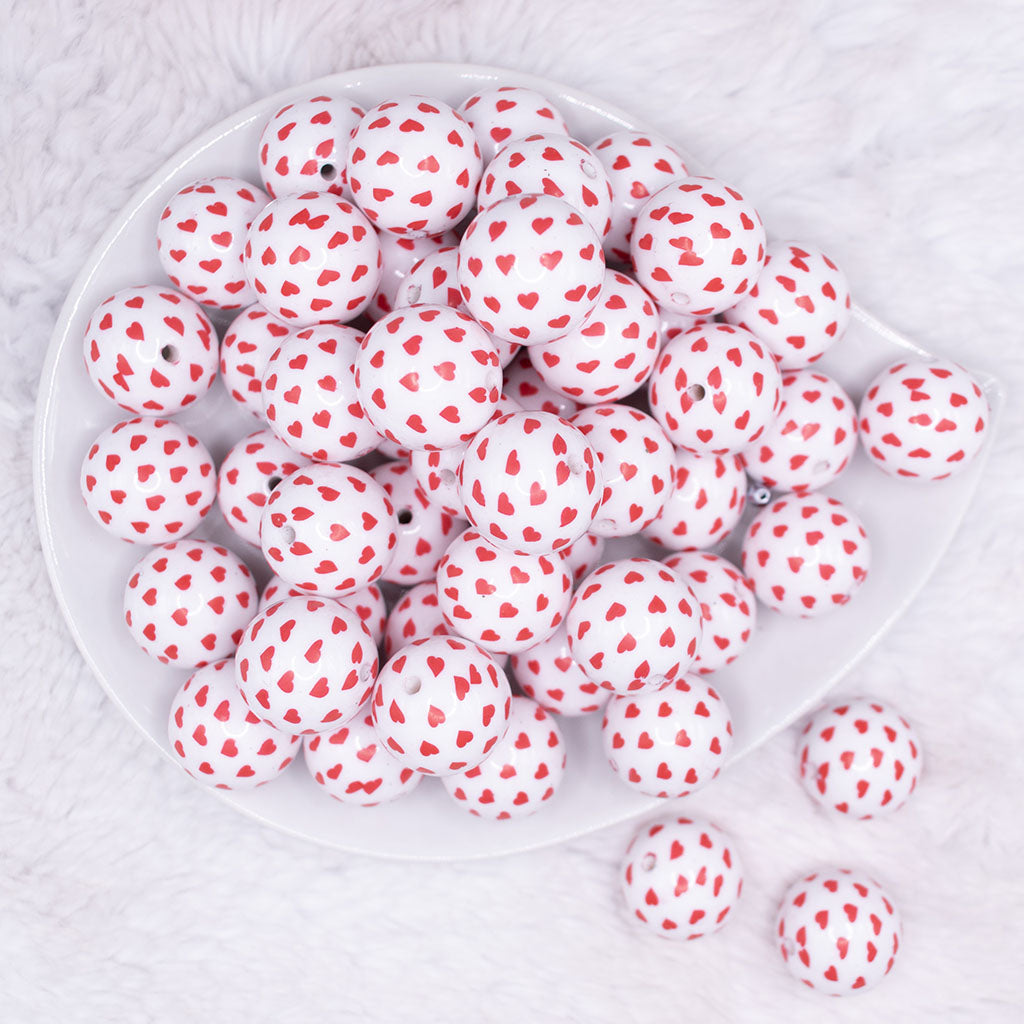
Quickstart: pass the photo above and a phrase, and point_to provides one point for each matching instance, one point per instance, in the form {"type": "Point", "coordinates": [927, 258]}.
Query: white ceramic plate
{"type": "Point", "coordinates": [787, 669]}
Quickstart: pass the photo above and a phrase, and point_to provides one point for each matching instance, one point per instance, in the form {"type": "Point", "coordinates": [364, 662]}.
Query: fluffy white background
{"type": "Point", "coordinates": [891, 134]}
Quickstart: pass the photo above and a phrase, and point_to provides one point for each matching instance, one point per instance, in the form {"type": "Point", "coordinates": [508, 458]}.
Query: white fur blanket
{"type": "Point", "coordinates": [888, 132]}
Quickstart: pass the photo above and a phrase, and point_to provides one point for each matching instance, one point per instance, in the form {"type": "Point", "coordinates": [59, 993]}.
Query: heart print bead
{"type": "Point", "coordinates": [441, 704]}
{"type": "Point", "coordinates": [148, 481]}
{"type": "Point", "coordinates": [860, 758]}
{"type": "Point", "coordinates": [681, 878]}
{"type": "Point", "coordinates": [400, 253]}
{"type": "Point", "coordinates": [151, 350]}
{"type": "Point", "coordinates": [549, 675]}
{"type": "Point", "coordinates": [500, 116]}
{"type": "Point", "coordinates": [251, 339]}
{"type": "Point", "coordinates": [521, 773]}
{"type": "Point", "coordinates": [218, 740]}
{"type": "Point", "coordinates": [201, 236]}
{"type": "Point", "coordinates": [368, 603]}
{"type": "Point", "coordinates": [306, 664]}
{"type": "Point", "coordinates": [838, 931]}
{"type": "Point", "coordinates": [415, 617]}
{"type": "Point", "coordinates": [187, 602]}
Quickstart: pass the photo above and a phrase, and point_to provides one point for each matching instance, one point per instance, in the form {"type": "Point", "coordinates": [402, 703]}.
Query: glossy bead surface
{"type": "Point", "coordinates": [554, 165]}
{"type": "Point", "coordinates": [681, 878]}
{"type": "Point", "coordinates": [697, 246]}
{"type": "Point", "coordinates": [247, 477]}
{"type": "Point", "coordinates": [525, 386]}
{"type": "Point", "coordinates": [304, 146]}
{"type": "Point", "coordinates": [187, 602]}
{"type": "Point", "coordinates": [638, 164]}
{"type": "Point", "coordinates": [799, 306]}
{"type": "Point", "coordinates": [549, 675]}
{"type": "Point", "coordinates": [306, 664]}
{"type": "Point", "coordinates": [218, 740]}
{"type": "Point", "coordinates": [503, 601]}
{"type": "Point", "coordinates": [611, 353]}
{"type": "Point", "coordinates": [423, 530]}
{"type": "Point", "coordinates": [583, 556]}
{"type": "Point", "coordinates": [530, 482]}
{"type": "Point", "coordinates": [353, 766]}
{"type": "Point", "coordinates": [838, 931]}
{"type": "Point", "coordinates": [633, 625]}
{"type": "Point", "coordinates": [413, 166]}
{"type": "Point", "coordinates": [251, 339]}
{"type": "Point", "coordinates": [859, 758]}
{"type": "Point", "coordinates": [200, 239]}
{"type": "Point", "coordinates": [151, 350]}
{"type": "Point", "coordinates": [415, 617]}
{"type": "Point", "coordinates": [806, 556]}
{"type": "Point", "coordinates": [428, 377]}
{"type": "Point", "coordinates": [328, 529]}
{"type": "Point", "coordinates": [530, 268]}
{"type": "Point", "coordinates": [727, 604]}
{"type": "Point", "coordinates": [715, 390]}
{"type": "Point", "coordinates": [400, 254]}
{"type": "Point", "coordinates": [705, 505]}
{"type": "Point", "coordinates": [368, 603]}
{"type": "Point", "coordinates": [812, 439]}
{"type": "Point", "coordinates": [309, 395]}
{"type": "Point", "coordinates": [432, 280]}
{"type": "Point", "coordinates": [500, 116]}
{"type": "Point", "coordinates": [521, 773]}
{"type": "Point", "coordinates": [668, 742]}
{"type": "Point", "coordinates": [637, 467]}
{"type": "Point", "coordinates": [148, 481]}
{"type": "Point", "coordinates": [924, 419]}
{"type": "Point", "coordinates": [312, 258]}
{"type": "Point", "coordinates": [441, 704]}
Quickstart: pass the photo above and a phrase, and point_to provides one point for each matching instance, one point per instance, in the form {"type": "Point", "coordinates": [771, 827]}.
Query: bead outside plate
{"type": "Point", "coordinates": [788, 668]}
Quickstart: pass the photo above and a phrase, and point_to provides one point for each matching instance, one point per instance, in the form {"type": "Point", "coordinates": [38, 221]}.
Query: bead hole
{"type": "Point", "coordinates": [288, 534]}
{"type": "Point", "coordinates": [404, 516]}
{"type": "Point", "coordinates": [328, 172]}
{"type": "Point", "coordinates": [822, 466]}
{"type": "Point", "coordinates": [413, 294]}
{"type": "Point", "coordinates": [695, 392]}
{"type": "Point", "coordinates": [169, 354]}
{"type": "Point", "coordinates": [447, 477]}
{"type": "Point", "coordinates": [576, 466]}
{"type": "Point", "coordinates": [588, 168]}
{"type": "Point", "coordinates": [648, 862]}
{"type": "Point", "coordinates": [412, 685]}
{"type": "Point", "coordinates": [273, 482]}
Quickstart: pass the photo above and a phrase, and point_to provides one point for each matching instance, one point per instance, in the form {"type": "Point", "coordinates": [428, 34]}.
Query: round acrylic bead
{"type": "Point", "coordinates": [633, 625]}
{"type": "Point", "coordinates": [354, 767]}
{"type": "Point", "coordinates": [668, 742]}
{"type": "Point", "coordinates": [552, 165]}
{"type": "Point", "coordinates": [638, 164]}
{"type": "Point", "coordinates": [148, 481]}
{"type": "Point", "coordinates": [799, 306]}
{"type": "Point", "coordinates": [304, 146]}
{"type": "Point", "coordinates": [525, 386]}
{"type": "Point", "coordinates": [313, 258]}
{"type": "Point", "coordinates": [697, 246]}
{"type": "Point", "coordinates": [521, 773]}
{"type": "Point", "coordinates": [432, 280]}
{"type": "Point", "coordinates": [428, 376]}
{"type": "Point", "coordinates": [309, 395]}
{"type": "Point", "coordinates": [611, 353]}
{"type": "Point", "coordinates": [838, 931]}
{"type": "Point", "coordinates": [637, 467]}
{"type": "Point", "coordinates": [328, 529]}
{"type": "Point", "coordinates": [368, 603]}
{"type": "Point", "coordinates": [424, 531]}
{"type": "Point", "coordinates": [441, 704]}
{"type": "Point", "coordinates": [416, 617]}
{"type": "Point", "coordinates": [530, 482]}
{"type": "Point", "coordinates": [253, 337]}
{"type": "Point", "coordinates": [727, 604]}
{"type": "Point", "coordinates": [924, 419]}
{"type": "Point", "coordinates": [549, 675]}
{"type": "Point", "coordinates": [503, 601]}
{"type": "Point", "coordinates": [187, 602]}
{"type": "Point", "coordinates": [248, 476]}
{"type": "Point", "coordinates": [715, 389]}
{"type": "Point", "coordinates": [200, 239]}
{"type": "Point", "coordinates": [400, 254]}
{"type": "Point", "coordinates": [812, 439]}
{"type": "Point", "coordinates": [583, 556]}
{"type": "Point", "coordinates": [306, 664]}
{"type": "Point", "coordinates": [413, 166]}
{"type": "Point", "coordinates": [218, 740]}
{"type": "Point", "coordinates": [806, 556]}
{"type": "Point", "coordinates": [681, 878]}
{"type": "Point", "coordinates": [705, 505]}
{"type": "Point", "coordinates": [500, 116]}
{"type": "Point", "coordinates": [437, 473]}
{"type": "Point", "coordinates": [530, 268]}
{"type": "Point", "coordinates": [860, 758]}
{"type": "Point", "coordinates": [151, 350]}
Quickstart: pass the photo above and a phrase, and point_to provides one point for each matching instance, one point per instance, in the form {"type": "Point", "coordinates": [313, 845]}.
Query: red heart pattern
{"type": "Point", "coordinates": [502, 115]}
{"type": "Point", "coordinates": [549, 675]}
{"type": "Point", "coordinates": [251, 339]}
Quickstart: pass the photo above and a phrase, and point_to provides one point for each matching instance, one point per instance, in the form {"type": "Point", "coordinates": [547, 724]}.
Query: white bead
{"type": "Point", "coordinates": [500, 116]}
{"type": "Point", "coordinates": [368, 603]}
{"type": "Point", "coordinates": [549, 675]}
{"type": "Point", "coordinates": [252, 338]}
